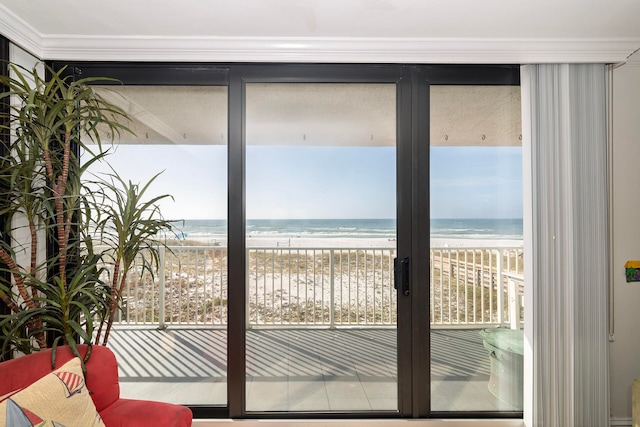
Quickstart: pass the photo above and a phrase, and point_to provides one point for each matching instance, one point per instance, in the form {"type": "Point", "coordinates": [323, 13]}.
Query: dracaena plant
{"type": "Point", "coordinates": [131, 226]}
{"type": "Point", "coordinates": [52, 278]}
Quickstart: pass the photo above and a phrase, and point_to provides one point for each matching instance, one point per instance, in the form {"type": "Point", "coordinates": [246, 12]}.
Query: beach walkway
{"type": "Point", "coordinates": [300, 369]}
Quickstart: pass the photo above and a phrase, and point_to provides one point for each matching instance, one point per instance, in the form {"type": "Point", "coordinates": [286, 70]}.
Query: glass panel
{"type": "Point", "coordinates": [170, 337]}
{"type": "Point", "coordinates": [476, 265]}
{"type": "Point", "coordinates": [321, 191]}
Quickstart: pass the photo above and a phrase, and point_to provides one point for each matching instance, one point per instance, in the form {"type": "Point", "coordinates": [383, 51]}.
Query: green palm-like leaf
{"type": "Point", "coordinates": [130, 225]}
{"type": "Point", "coordinates": [41, 181]}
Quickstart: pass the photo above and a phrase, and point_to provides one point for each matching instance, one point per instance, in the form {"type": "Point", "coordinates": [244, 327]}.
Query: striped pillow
{"type": "Point", "coordinates": [59, 398]}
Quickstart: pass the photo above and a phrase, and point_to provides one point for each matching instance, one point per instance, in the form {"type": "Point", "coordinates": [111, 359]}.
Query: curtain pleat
{"type": "Point", "coordinates": [569, 221]}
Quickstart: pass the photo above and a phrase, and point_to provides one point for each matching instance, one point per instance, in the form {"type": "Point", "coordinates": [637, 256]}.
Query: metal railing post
{"type": "Point", "coordinates": [161, 287]}
{"type": "Point", "coordinates": [514, 305]}
{"type": "Point", "coordinates": [246, 284]}
{"type": "Point", "coordinates": [332, 309]}
{"type": "Point", "coordinates": [500, 287]}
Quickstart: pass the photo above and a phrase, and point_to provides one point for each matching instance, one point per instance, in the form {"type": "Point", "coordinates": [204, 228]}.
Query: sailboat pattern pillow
{"type": "Point", "coordinates": [59, 399]}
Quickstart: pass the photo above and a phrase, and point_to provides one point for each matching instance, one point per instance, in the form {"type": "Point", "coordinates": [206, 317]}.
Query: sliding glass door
{"type": "Point", "coordinates": [170, 335]}
{"type": "Point", "coordinates": [476, 248]}
{"type": "Point", "coordinates": [321, 243]}
{"type": "Point", "coordinates": [350, 239]}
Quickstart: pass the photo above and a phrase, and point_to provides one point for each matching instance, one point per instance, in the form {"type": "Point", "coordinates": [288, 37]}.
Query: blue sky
{"type": "Point", "coordinates": [325, 182]}
{"type": "Point", "coordinates": [195, 175]}
{"type": "Point", "coordinates": [320, 182]}
{"type": "Point", "coordinates": [476, 182]}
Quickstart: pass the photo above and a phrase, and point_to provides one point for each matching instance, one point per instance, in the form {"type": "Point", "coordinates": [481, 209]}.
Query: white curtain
{"type": "Point", "coordinates": [564, 133]}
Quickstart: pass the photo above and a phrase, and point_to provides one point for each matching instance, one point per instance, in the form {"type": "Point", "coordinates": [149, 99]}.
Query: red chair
{"type": "Point", "coordinates": [102, 382]}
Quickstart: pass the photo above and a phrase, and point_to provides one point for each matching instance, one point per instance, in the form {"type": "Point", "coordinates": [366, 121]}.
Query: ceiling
{"type": "Point", "coordinates": [333, 18]}
{"type": "Point", "coordinates": [354, 31]}
{"type": "Point", "coordinates": [304, 114]}
{"type": "Point", "coordinates": [437, 31]}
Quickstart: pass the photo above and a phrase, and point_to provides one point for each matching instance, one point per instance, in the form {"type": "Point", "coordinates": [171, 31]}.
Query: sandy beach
{"type": "Point", "coordinates": [354, 242]}
{"type": "Point", "coordinates": [320, 242]}
{"type": "Point", "coordinates": [336, 242]}
{"type": "Point", "coordinates": [475, 243]}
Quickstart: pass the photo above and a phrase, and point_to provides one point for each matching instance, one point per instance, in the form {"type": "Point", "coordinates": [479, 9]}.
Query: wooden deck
{"type": "Point", "coordinates": [300, 369]}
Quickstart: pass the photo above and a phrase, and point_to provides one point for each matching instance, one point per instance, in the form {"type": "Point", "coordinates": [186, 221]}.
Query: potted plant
{"type": "Point", "coordinates": [58, 297]}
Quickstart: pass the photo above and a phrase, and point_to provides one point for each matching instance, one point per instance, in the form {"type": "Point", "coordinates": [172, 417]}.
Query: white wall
{"type": "Point", "coordinates": [22, 57]}
{"type": "Point", "coordinates": [625, 349]}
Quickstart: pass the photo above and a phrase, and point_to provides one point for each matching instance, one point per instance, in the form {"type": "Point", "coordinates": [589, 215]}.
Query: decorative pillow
{"type": "Point", "coordinates": [59, 399]}
{"type": "Point", "coordinates": [8, 395]}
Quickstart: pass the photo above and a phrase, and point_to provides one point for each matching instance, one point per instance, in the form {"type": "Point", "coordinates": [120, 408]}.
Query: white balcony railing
{"type": "Point", "coordinates": [325, 287]}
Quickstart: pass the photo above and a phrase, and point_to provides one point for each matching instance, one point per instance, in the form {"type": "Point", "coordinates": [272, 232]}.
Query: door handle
{"type": "Point", "coordinates": [401, 274]}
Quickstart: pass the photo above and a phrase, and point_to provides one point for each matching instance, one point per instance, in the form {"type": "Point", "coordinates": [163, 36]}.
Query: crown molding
{"type": "Point", "coordinates": [633, 60]}
{"type": "Point", "coordinates": [348, 50]}
{"type": "Point", "coordinates": [313, 49]}
{"type": "Point", "coordinates": [19, 32]}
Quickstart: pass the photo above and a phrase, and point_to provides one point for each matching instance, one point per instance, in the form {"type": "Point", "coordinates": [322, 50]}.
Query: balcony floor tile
{"type": "Point", "coordinates": [300, 369]}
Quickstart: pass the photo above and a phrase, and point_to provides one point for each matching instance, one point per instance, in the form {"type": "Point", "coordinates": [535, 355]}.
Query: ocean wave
{"type": "Point", "coordinates": [352, 228]}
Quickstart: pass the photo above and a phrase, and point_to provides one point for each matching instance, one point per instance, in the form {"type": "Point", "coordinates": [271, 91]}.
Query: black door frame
{"type": "Point", "coordinates": [4, 143]}
{"type": "Point", "coordinates": [454, 75]}
{"type": "Point", "coordinates": [413, 83]}
{"type": "Point", "coordinates": [302, 73]}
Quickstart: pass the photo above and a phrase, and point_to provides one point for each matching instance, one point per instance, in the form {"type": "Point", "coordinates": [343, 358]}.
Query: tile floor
{"type": "Point", "coordinates": [301, 369]}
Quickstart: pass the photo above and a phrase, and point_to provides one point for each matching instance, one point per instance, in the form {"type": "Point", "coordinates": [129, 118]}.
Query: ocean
{"type": "Point", "coordinates": [485, 229]}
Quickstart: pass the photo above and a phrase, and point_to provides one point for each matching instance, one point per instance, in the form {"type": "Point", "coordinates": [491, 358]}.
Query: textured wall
{"type": "Point", "coordinates": [625, 349]}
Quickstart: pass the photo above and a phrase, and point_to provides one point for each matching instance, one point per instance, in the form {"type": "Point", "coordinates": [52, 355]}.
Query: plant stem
{"type": "Point", "coordinates": [34, 256]}
{"type": "Point", "coordinates": [36, 324]}
{"type": "Point", "coordinates": [116, 293]}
